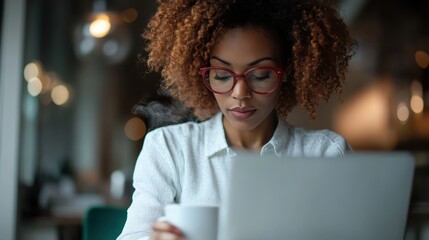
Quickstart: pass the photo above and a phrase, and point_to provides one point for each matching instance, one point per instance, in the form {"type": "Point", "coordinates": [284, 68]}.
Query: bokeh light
{"type": "Point", "coordinates": [111, 48]}
{"type": "Point", "coordinates": [130, 15]}
{"type": "Point", "coordinates": [417, 104]}
{"type": "Point", "coordinates": [87, 45]}
{"type": "Point", "coordinates": [100, 27]}
{"type": "Point", "coordinates": [34, 86]}
{"type": "Point", "coordinates": [60, 94]}
{"type": "Point", "coordinates": [422, 59]}
{"type": "Point", "coordinates": [31, 70]}
{"type": "Point", "coordinates": [135, 129]}
{"type": "Point", "coordinates": [403, 112]}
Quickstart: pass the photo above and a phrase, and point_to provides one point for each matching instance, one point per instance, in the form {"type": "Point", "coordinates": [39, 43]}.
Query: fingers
{"type": "Point", "coordinates": [163, 226]}
{"type": "Point", "coordinates": [165, 231]}
{"type": "Point", "coordinates": [165, 236]}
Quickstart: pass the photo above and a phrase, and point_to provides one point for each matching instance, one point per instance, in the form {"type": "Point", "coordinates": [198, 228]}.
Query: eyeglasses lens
{"type": "Point", "coordinates": [259, 80]}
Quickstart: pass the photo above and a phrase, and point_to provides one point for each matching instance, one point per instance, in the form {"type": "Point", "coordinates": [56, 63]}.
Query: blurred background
{"type": "Point", "coordinates": [73, 70]}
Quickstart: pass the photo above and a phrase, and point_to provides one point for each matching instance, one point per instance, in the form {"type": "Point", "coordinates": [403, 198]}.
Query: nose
{"type": "Point", "coordinates": [241, 90]}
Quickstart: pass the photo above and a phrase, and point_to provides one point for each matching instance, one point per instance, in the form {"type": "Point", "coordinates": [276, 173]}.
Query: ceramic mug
{"type": "Point", "coordinates": [197, 222]}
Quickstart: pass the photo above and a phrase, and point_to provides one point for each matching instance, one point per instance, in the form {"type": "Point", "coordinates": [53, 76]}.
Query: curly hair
{"type": "Point", "coordinates": [315, 42]}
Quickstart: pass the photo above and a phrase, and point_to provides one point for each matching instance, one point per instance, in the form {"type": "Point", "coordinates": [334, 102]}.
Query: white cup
{"type": "Point", "coordinates": [196, 222]}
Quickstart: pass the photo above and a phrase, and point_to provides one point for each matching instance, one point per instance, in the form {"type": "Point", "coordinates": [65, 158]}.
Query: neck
{"type": "Point", "coordinates": [254, 139]}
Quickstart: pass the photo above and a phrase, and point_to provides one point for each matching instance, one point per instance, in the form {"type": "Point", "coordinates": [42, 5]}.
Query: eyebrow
{"type": "Point", "coordinates": [250, 64]}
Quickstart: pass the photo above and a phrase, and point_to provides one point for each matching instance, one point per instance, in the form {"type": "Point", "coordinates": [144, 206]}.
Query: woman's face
{"type": "Point", "coordinates": [240, 49]}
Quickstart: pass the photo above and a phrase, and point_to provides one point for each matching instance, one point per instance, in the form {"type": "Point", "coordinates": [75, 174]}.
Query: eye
{"type": "Point", "coordinates": [221, 75]}
{"type": "Point", "coordinates": [221, 78]}
{"type": "Point", "coordinates": [260, 75]}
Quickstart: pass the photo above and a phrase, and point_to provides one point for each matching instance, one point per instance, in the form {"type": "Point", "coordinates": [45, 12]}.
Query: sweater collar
{"type": "Point", "coordinates": [216, 136]}
{"type": "Point", "coordinates": [217, 139]}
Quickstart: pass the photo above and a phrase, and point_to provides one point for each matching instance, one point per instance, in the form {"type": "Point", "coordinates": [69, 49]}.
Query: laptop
{"type": "Point", "coordinates": [362, 196]}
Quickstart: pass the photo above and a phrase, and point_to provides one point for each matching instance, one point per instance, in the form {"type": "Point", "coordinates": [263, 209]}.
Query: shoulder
{"type": "Point", "coordinates": [180, 142]}
{"type": "Point", "coordinates": [181, 130]}
{"type": "Point", "coordinates": [171, 144]}
{"type": "Point", "coordinates": [323, 135]}
{"type": "Point", "coordinates": [321, 142]}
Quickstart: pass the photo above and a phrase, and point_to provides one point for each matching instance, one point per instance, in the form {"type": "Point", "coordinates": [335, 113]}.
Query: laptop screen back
{"type": "Point", "coordinates": [358, 196]}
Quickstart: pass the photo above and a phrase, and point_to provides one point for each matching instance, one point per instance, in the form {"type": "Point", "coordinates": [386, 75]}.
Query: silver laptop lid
{"type": "Point", "coordinates": [358, 196]}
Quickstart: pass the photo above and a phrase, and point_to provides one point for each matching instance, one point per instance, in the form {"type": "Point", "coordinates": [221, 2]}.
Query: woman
{"type": "Point", "coordinates": [243, 65]}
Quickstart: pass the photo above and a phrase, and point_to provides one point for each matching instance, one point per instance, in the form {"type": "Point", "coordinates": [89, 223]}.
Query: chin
{"type": "Point", "coordinates": [241, 125]}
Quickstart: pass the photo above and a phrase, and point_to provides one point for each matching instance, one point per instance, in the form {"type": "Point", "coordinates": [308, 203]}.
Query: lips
{"type": "Point", "coordinates": [242, 113]}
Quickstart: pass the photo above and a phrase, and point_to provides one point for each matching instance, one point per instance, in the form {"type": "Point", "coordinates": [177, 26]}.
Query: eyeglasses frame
{"type": "Point", "coordinates": [235, 76]}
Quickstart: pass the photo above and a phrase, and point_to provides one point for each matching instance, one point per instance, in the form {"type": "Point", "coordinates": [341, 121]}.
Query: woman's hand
{"type": "Point", "coordinates": [165, 231]}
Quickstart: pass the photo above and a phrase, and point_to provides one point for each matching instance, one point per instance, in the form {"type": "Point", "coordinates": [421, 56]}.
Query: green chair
{"type": "Point", "coordinates": [103, 222]}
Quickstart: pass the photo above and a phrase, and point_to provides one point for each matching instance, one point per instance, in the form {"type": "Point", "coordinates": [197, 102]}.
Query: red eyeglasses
{"type": "Point", "coordinates": [261, 80]}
